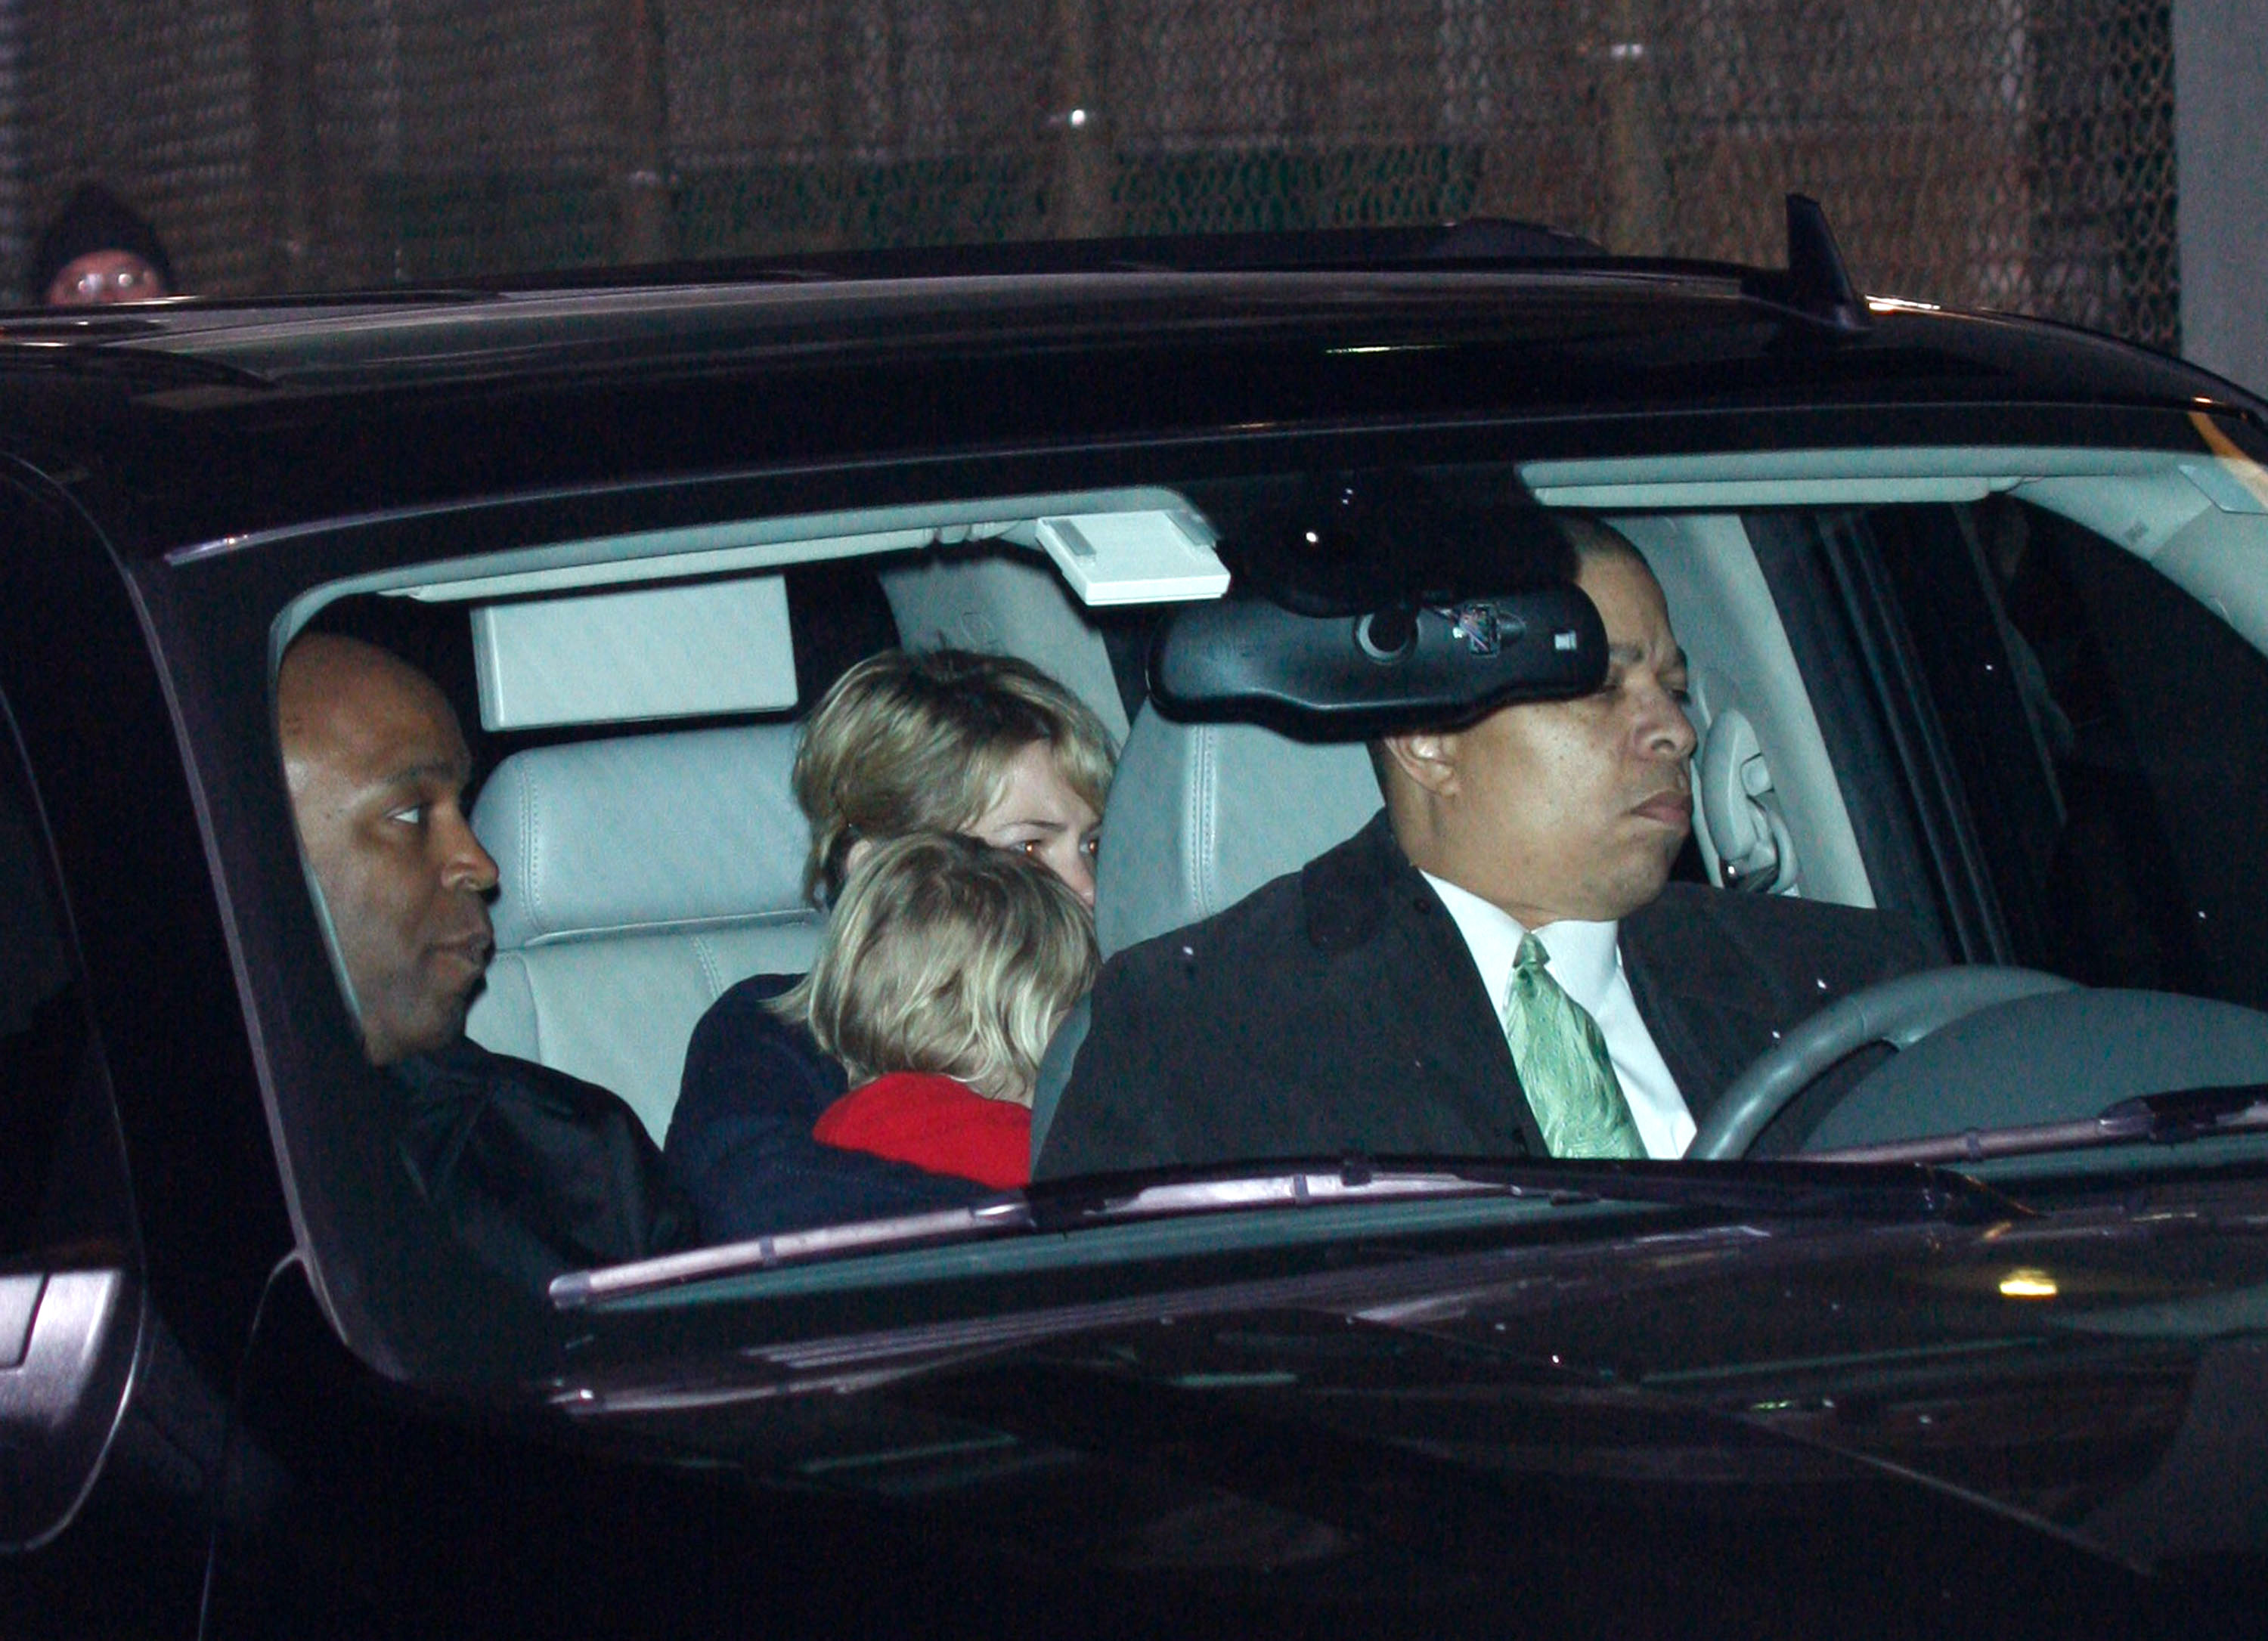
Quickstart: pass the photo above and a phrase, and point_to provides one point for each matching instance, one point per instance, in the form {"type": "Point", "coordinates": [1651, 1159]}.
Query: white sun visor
{"type": "Point", "coordinates": [651, 652]}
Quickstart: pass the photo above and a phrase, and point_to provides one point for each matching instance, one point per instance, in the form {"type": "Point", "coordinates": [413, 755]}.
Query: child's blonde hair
{"type": "Point", "coordinates": [947, 956]}
{"type": "Point", "coordinates": [920, 741]}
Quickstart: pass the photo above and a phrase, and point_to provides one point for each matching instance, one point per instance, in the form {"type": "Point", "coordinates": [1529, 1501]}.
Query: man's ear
{"type": "Point", "coordinates": [1427, 760]}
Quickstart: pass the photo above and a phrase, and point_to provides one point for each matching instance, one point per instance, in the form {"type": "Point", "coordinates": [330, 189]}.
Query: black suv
{"type": "Point", "coordinates": [1974, 608]}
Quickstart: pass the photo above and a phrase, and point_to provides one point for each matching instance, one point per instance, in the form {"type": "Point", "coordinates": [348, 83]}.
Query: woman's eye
{"type": "Point", "coordinates": [1090, 847]}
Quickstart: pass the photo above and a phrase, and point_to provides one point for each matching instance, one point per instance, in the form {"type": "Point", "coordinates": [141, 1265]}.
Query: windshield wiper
{"type": "Point", "coordinates": [1050, 1207]}
{"type": "Point", "coordinates": [1780, 1189]}
{"type": "Point", "coordinates": [1063, 1204]}
{"type": "Point", "coordinates": [1003, 1214]}
{"type": "Point", "coordinates": [2172, 1119]}
{"type": "Point", "coordinates": [1769, 1188]}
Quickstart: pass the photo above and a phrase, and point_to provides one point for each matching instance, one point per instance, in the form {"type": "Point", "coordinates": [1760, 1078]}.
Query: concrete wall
{"type": "Point", "coordinates": [2220, 138]}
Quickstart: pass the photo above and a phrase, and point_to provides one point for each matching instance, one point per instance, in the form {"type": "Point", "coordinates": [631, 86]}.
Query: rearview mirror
{"type": "Point", "coordinates": [1386, 672]}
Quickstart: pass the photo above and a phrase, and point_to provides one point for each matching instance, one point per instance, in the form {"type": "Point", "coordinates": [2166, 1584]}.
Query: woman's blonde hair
{"type": "Point", "coordinates": [945, 956]}
{"type": "Point", "coordinates": [921, 740]}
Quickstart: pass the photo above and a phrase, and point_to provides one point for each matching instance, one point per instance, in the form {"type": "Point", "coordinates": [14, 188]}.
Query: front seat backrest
{"type": "Point", "coordinates": [1202, 814]}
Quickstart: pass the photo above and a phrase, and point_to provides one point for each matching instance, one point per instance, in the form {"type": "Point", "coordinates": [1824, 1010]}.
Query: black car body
{"type": "Point", "coordinates": [1990, 595]}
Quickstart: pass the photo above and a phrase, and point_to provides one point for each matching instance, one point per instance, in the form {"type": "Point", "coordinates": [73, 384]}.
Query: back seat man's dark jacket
{"type": "Point", "coordinates": [538, 1171]}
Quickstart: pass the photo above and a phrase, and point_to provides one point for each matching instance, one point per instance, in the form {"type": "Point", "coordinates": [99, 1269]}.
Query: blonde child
{"type": "Point", "coordinates": [947, 966]}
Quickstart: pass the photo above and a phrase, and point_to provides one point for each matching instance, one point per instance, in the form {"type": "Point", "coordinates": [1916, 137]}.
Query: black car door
{"type": "Point", "coordinates": [138, 1211]}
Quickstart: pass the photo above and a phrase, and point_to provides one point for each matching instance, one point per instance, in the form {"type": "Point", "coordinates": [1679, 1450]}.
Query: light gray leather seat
{"type": "Point", "coordinates": [1203, 815]}
{"type": "Point", "coordinates": [641, 878]}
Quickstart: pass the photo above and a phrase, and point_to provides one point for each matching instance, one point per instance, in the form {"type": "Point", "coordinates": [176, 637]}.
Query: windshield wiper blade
{"type": "Point", "coordinates": [819, 1243]}
{"type": "Point", "coordinates": [2172, 1119]}
{"type": "Point", "coordinates": [1351, 1181]}
{"type": "Point", "coordinates": [1051, 1208]}
{"type": "Point", "coordinates": [1773, 1188]}
{"type": "Point", "coordinates": [1780, 1189]}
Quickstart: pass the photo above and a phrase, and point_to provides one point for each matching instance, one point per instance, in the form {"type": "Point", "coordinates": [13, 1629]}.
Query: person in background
{"type": "Point", "coordinates": [97, 250]}
{"type": "Point", "coordinates": [941, 741]}
{"type": "Point", "coordinates": [946, 967]}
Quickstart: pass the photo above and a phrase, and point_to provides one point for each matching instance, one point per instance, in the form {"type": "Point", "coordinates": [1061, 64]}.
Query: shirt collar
{"type": "Point", "coordinates": [1585, 956]}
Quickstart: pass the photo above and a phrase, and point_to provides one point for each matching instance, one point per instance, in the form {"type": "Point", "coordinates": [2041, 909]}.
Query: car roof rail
{"type": "Point", "coordinates": [1482, 240]}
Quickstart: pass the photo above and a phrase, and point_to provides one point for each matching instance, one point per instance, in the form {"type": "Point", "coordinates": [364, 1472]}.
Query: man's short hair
{"type": "Point", "coordinates": [947, 957]}
{"type": "Point", "coordinates": [920, 741]}
{"type": "Point", "coordinates": [1596, 538]}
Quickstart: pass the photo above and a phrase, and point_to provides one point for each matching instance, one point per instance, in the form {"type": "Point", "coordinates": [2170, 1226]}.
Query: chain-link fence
{"type": "Point", "coordinates": [2008, 153]}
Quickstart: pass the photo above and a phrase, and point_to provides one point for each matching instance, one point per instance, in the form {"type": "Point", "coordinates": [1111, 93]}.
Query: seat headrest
{"type": "Point", "coordinates": [1202, 814]}
{"type": "Point", "coordinates": [645, 832]}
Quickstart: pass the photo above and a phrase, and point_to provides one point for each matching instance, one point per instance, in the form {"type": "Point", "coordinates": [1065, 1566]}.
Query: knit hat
{"type": "Point", "coordinates": [93, 219]}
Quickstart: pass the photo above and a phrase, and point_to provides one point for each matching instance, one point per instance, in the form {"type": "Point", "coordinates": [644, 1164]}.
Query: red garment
{"type": "Point", "coordinates": [933, 1122]}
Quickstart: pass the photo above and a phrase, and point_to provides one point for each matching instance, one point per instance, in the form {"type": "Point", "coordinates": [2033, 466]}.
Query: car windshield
{"type": "Point", "coordinates": [1927, 779]}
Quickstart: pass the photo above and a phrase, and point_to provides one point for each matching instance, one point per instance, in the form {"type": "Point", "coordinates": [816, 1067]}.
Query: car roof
{"type": "Point", "coordinates": [224, 418]}
{"type": "Point", "coordinates": [358, 343]}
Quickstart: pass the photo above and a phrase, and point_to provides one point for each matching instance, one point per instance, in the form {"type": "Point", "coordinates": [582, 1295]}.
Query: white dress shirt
{"type": "Point", "coordinates": [1587, 960]}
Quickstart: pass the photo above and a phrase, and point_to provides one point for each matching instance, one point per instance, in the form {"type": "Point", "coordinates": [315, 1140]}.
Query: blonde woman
{"type": "Point", "coordinates": [905, 742]}
{"type": "Point", "coordinates": [950, 740]}
{"type": "Point", "coordinates": [946, 967]}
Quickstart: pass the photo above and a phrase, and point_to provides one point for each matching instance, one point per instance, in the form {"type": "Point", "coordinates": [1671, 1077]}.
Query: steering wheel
{"type": "Point", "coordinates": [1899, 1012]}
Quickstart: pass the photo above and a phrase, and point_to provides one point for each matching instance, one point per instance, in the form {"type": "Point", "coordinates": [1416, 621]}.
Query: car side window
{"type": "Point", "coordinates": [2112, 735]}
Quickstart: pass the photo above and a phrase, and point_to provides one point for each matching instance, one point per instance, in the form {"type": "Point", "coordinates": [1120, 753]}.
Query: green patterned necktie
{"type": "Point", "coordinates": [1563, 1065]}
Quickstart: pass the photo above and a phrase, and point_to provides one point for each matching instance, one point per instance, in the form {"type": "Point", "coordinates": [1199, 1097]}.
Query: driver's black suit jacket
{"type": "Point", "coordinates": [1336, 1012]}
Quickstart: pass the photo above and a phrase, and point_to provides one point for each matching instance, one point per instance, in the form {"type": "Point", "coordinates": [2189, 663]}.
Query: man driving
{"type": "Point", "coordinates": [1496, 964]}
{"type": "Point", "coordinates": [539, 1171]}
